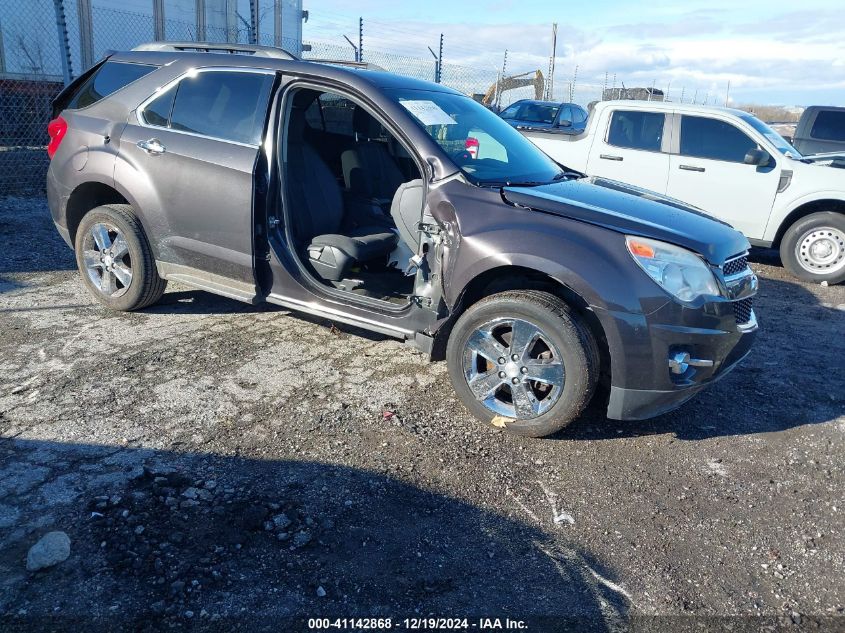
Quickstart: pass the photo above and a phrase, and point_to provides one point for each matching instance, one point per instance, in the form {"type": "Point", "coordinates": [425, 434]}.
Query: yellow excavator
{"type": "Point", "coordinates": [534, 78]}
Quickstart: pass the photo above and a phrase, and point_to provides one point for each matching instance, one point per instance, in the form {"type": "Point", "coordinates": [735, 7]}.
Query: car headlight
{"type": "Point", "coordinates": [680, 272]}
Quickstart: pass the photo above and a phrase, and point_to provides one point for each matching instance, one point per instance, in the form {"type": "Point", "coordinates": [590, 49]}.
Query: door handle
{"type": "Point", "coordinates": [152, 146]}
{"type": "Point", "coordinates": [610, 157]}
{"type": "Point", "coordinates": [690, 168]}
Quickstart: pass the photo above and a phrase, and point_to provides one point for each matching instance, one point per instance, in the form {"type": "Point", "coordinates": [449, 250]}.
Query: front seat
{"type": "Point", "coordinates": [369, 171]}
{"type": "Point", "coordinates": [317, 213]}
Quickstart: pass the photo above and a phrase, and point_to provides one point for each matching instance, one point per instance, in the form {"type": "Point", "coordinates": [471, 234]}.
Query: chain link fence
{"type": "Point", "coordinates": [32, 68]}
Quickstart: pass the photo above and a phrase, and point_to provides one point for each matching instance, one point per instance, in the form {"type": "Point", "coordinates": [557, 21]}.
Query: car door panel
{"type": "Point", "coordinates": [739, 194]}
{"type": "Point", "coordinates": [630, 150]}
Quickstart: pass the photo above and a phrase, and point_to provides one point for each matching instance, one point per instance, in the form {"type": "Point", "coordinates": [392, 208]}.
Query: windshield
{"type": "Point", "coordinates": [487, 149]}
{"type": "Point", "coordinates": [532, 112]}
{"type": "Point", "coordinates": [773, 137]}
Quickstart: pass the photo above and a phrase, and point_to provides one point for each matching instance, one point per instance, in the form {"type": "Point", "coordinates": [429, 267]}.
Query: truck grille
{"type": "Point", "coordinates": [742, 311]}
{"type": "Point", "coordinates": [736, 265]}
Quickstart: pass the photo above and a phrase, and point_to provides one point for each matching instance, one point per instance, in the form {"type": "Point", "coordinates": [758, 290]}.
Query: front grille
{"type": "Point", "coordinates": [734, 266]}
{"type": "Point", "coordinates": [742, 311]}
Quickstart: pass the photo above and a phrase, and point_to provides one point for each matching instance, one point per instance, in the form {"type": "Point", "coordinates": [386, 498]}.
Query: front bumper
{"type": "Point", "coordinates": [643, 384]}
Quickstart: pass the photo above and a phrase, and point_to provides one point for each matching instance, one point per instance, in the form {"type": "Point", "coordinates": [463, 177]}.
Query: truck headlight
{"type": "Point", "coordinates": [680, 272]}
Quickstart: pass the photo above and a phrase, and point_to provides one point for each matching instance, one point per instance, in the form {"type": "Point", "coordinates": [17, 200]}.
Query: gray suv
{"type": "Point", "coordinates": [397, 206]}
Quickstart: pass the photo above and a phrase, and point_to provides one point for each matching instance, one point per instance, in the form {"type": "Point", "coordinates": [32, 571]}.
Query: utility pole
{"type": "Point", "coordinates": [550, 82]}
{"type": "Point", "coordinates": [728, 94]}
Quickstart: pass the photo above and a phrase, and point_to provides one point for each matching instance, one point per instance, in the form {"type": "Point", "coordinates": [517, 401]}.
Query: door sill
{"type": "Point", "coordinates": [202, 280]}
{"type": "Point", "coordinates": [315, 309]}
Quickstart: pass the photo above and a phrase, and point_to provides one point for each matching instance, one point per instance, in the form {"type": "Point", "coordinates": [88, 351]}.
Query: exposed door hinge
{"type": "Point", "coordinates": [426, 227]}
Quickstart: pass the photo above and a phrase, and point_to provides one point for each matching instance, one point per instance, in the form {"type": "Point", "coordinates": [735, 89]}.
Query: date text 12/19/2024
{"type": "Point", "coordinates": [417, 624]}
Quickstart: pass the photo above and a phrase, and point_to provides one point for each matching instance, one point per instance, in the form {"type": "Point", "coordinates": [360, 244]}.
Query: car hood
{"type": "Point", "coordinates": [633, 211]}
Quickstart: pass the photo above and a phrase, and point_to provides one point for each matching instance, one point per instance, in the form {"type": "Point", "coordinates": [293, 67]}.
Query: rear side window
{"type": "Point", "coordinates": [636, 130]}
{"type": "Point", "coordinates": [578, 115]}
{"type": "Point", "coordinates": [708, 138]}
{"type": "Point", "coordinates": [107, 79]}
{"type": "Point", "coordinates": [227, 105]}
{"type": "Point", "coordinates": [829, 125]}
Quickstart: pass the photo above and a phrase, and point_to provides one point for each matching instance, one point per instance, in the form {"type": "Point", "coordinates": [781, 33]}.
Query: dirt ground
{"type": "Point", "coordinates": [221, 465]}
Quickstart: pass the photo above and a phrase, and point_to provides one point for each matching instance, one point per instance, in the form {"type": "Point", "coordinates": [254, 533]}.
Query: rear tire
{"type": "Point", "coordinates": [541, 386]}
{"type": "Point", "coordinates": [813, 249]}
{"type": "Point", "coordinates": [115, 259]}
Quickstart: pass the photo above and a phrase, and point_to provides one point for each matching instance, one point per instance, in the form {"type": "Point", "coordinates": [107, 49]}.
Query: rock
{"type": "Point", "coordinates": [321, 592]}
{"type": "Point", "coordinates": [281, 521]}
{"type": "Point", "coordinates": [177, 587]}
{"type": "Point", "coordinates": [823, 284]}
{"type": "Point", "coordinates": [52, 549]}
{"type": "Point", "coordinates": [190, 493]}
{"type": "Point", "coordinates": [301, 538]}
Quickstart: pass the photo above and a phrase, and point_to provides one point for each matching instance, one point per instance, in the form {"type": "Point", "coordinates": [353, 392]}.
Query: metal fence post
{"type": "Point", "coordinates": [360, 39]}
{"type": "Point", "coordinates": [64, 43]}
{"type": "Point", "coordinates": [277, 23]}
{"type": "Point", "coordinates": [2, 51]}
{"type": "Point", "coordinates": [158, 20]}
{"type": "Point", "coordinates": [254, 21]}
{"type": "Point", "coordinates": [200, 17]}
{"type": "Point", "coordinates": [86, 33]}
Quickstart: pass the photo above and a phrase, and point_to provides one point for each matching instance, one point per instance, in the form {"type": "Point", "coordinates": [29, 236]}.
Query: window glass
{"type": "Point", "coordinates": [227, 105]}
{"type": "Point", "coordinates": [457, 124]}
{"type": "Point", "coordinates": [636, 130]}
{"type": "Point", "coordinates": [709, 138]}
{"type": "Point", "coordinates": [566, 114]}
{"type": "Point", "coordinates": [532, 112]}
{"type": "Point", "coordinates": [782, 145]}
{"type": "Point", "coordinates": [109, 78]}
{"type": "Point", "coordinates": [337, 113]}
{"type": "Point", "coordinates": [829, 125]}
{"type": "Point", "coordinates": [157, 111]}
{"type": "Point", "coordinates": [578, 115]}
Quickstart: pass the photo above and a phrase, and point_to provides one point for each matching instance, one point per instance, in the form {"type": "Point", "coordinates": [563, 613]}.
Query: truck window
{"type": "Point", "coordinates": [225, 105]}
{"type": "Point", "coordinates": [636, 130]}
{"type": "Point", "coordinates": [829, 125]}
{"type": "Point", "coordinates": [702, 137]}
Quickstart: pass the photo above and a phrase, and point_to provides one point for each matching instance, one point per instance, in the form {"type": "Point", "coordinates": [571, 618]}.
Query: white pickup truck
{"type": "Point", "coordinates": [726, 162]}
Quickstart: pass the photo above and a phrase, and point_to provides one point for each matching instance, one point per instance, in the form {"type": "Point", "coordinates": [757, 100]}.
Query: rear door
{"type": "Point", "coordinates": [632, 148]}
{"type": "Point", "coordinates": [197, 143]}
{"type": "Point", "coordinates": [708, 172]}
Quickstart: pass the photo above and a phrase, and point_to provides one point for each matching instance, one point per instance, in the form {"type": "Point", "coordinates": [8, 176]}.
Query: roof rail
{"type": "Point", "coordinates": [208, 47]}
{"type": "Point", "coordinates": [344, 62]}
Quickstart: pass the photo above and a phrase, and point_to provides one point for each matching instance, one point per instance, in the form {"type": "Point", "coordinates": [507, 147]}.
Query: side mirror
{"type": "Point", "coordinates": [757, 157]}
{"type": "Point", "coordinates": [564, 123]}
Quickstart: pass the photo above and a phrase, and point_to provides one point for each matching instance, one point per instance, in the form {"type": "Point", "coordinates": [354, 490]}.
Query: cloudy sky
{"type": "Point", "coordinates": [772, 51]}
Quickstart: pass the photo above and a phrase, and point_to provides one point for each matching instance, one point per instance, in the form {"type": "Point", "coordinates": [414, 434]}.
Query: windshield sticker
{"type": "Point", "coordinates": [428, 112]}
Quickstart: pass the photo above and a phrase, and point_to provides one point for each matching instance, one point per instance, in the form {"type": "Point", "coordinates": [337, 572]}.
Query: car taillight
{"type": "Point", "coordinates": [56, 129]}
{"type": "Point", "coordinates": [471, 146]}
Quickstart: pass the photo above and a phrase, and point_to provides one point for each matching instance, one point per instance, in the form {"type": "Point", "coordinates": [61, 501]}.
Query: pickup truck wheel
{"type": "Point", "coordinates": [524, 361]}
{"type": "Point", "coordinates": [115, 259]}
{"type": "Point", "coordinates": [814, 247]}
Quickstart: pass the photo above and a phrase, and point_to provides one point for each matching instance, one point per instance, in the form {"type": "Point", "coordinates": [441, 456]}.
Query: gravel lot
{"type": "Point", "coordinates": [217, 464]}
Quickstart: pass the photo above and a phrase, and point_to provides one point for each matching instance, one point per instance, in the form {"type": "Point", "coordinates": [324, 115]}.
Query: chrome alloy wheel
{"type": "Point", "coordinates": [821, 250]}
{"type": "Point", "coordinates": [513, 368]}
{"type": "Point", "coordinates": [106, 257]}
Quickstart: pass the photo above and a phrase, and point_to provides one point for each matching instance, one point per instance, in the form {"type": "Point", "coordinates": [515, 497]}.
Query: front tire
{"type": "Point", "coordinates": [813, 249]}
{"type": "Point", "coordinates": [524, 360]}
{"type": "Point", "coordinates": [115, 259]}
